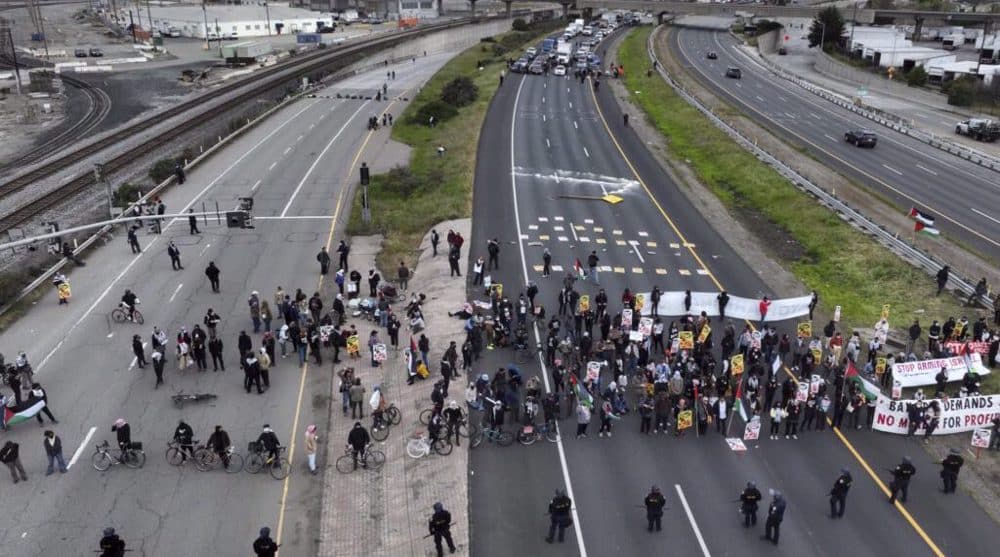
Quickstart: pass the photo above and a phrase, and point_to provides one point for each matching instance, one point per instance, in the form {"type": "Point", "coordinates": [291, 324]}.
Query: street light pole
{"type": "Point", "coordinates": [822, 37]}
{"type": "Point", "coordinates": [204, 12]}
{"type": "Point", "coordinates": [854, 23]}
{"type": "Point", "coordinates": [267, 12]}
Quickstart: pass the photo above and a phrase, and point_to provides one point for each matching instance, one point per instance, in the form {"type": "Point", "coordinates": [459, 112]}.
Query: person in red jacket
{"type": "Point", "coordinates": [764, 305]}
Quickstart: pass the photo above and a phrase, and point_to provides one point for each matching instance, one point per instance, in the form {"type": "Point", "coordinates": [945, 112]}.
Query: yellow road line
{"type": "Point", "coordinates": [691, 248]}
{"type": "Point", "coordinates": [305, 367]}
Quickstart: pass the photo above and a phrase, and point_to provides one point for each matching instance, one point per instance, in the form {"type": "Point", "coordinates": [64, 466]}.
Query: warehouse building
{"type": "Point", "coordinates": [236, 22]}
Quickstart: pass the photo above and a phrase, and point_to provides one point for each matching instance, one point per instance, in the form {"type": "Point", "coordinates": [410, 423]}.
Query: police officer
{"type": "Point", "coordinates": [654, 508]}
{"type": "Point", "coordinates": [775, 514]}
{"type": "Point", "coordinates": [949, 470]}
{"type": "Point", "coordinates": [111, 544]}
{"type": "Point", "coordinates": [900, 483]}
{"type": "Point", "coordinates": [838, 494]}
{"type": "Point", "coordinates": [559, 509]}
{"type": "Point", "coordinates": [748, 504]}
{"type": "Point", "coordinates": [440, 527]}
{"type": "Point", "coordinates": [264, 546]}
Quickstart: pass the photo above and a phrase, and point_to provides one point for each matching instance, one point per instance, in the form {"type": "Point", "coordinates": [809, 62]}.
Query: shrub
{"type": "Point", "coordinates": [440, 110]}
{"type": "Point", "coordinates": [161, 170]}
{"type": "Point", "coordinates": [961, 91]}
{"type": "Point", "coordinates": [125, 194]}
{"type": "Point", "coordinates": [400, 181]}
{"type": "Point", "coordinates": [520, 25]}
{"type": "Point", "coordinates": [459, 92]}
{"type": "Point", "coordinates": [917, 77]}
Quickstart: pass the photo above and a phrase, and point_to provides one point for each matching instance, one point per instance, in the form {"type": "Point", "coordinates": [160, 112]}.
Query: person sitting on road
{"type": "Point", "coordinates": [269, 441]}
{"type": "Point", "coordinates": [129, 299]}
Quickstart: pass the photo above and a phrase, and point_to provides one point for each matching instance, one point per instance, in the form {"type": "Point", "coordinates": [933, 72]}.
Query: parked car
{"type": "Point", "coordinates": [96, 52]}
{"type": "Point", "coordinates": [861, 138]}
{"type": "Point", "coordinates": [559, 70]}
{"type": "Point", "coordinates": [712, 55]}
{"type": "Point", "coordinates": [80, 53]}
{"type": "Point", "coordinates": [734, 73]}
{"type": "Point", "coordinates": [173, 32]}
{"type": "Point", "coordinates": [531, 52]}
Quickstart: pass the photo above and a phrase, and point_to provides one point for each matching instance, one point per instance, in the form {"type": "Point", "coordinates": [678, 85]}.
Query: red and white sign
{"type": "Point", "coordinates": [957, 414]}
{"type": "Point", "coordinates": [982, 348]}
{"type": "Point", "coordinates": [802, 394]}
{"type": "Point", "coordinates": [646, 326]}
{"type": "Point", "coordinates": [922, 372]}
{"type": "Point", "coordinates": [736, 444]}
{"type": "Point", "coordinates": [752, 430]}
{"type": "Point", "coordinates": [593, 370]}
{"type": "Point", "coordinates": [981, 438]}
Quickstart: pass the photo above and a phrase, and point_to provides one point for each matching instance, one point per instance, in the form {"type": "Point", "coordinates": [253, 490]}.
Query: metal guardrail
{"type": "Point", "coordinates": [851, 215]}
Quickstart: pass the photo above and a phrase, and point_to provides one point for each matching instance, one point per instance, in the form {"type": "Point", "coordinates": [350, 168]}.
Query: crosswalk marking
{"type": "Point", "coordinates": [620, 270]}
{"type": "Point", "coordinates": [605, 268]}
{"type": "Point", "coordinates": [650, 244]}
{"type": "Point", "coordinates": [538, 268]}
{"type": "Point", "coordinates": [598, 229]}
{"type": "Point", "coordinates": [557, 219]}
{"type": "Point", "coordinates": [557, 268]}
{"type": "Point", "coordinates": [674, 245]}
{"type": "Point", "coordinates": [584, 239]}
{"type": "Point", "coordinates": [588, 221]}
{"type": "Point", "coordinates": [688, 245]}
{"type": "Point", "coordinates": [620, 242]}
{"type": "Point", "coordinates": [601, 241]}
{"type": "Point", "coordinates": [558, 228]}
{"type": "Point", "coordinates": [637, 270]}
{"type": "Point", "coordinates": [579, 227]}
{"type": "Point", "coordinates": [532, 227]}
{"type": "Point", "coordinates": [616, 232]}
{"type": "Point", "coordinates": [702, 271]}
{"type": "Point", "coordinates": [563, 239]}
{"type": "Point", "coordinates": [525, 236]}
{"type": "Point", "coordinates": [684, 272]}
{"type": "Point", "coordinates": [543, 237]}
{"type": "Point", "coordinates": [643, 234]}
{"type": "Point", "coordinates": [661, 271]}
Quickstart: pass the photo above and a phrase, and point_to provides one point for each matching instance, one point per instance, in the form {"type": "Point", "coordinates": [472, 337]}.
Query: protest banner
{"type": "Point", "coordinates": [646, 326]}
{"type": "Point", "coordinates": [752, 430]}
{"type": "Point", "coordinates": [923, 372]}
{"type": "Point", "coordinates": [736, 363]}
{"type": "Point", "coordinates": [672, 303]}
{"type": "Point", "coordinates": [958, 348]}
{"type": "Point", "coordinates": [626, 318]}
{"type": "Point", "coordinates": [804, 329]}
{"type": "Point", "coordinates": [593, 370]}
{"type": "Point", "coordinates": [685, 419]}
{"type": "Point", "coordinates": [380, 354]}
{"type": "Point", "coordinates": [957, 414]}
{"type": "Point", "coordinates": [981, 438]}
{"type": "Point", "coordinates": [703, 335]}
{"type": "Point", "coordinates": [736, 444]}
{"type": "Point", "coordinates": [583, 305]}
{"type": "Point", "coordinates": [686, 340]}
{"type": "Point", "coordinates": [802, 394]}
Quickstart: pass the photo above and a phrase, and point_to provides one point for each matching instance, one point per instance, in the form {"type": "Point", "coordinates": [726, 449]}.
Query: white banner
{"type": "Point", "coordinates": [672, 303]}
{"type": "Point", "coordinates": [922, 372]}
{"type": "Point", "coordinates": [957, 414]}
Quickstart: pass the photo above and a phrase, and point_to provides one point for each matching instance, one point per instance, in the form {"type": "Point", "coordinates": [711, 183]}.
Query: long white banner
{"type": "Point", "coordinates": [672, 303]}
{"type": "Point", "coordinates": [922, 372]}
{"type": "Point", "coordinates": [957, 414]}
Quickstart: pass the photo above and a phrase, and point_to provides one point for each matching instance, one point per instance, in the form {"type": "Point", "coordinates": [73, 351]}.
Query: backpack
{"type": "Point", "coordinates": [422, 370]}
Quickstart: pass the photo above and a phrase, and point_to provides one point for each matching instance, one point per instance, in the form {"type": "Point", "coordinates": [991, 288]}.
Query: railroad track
{"type": "Point", "coordinates": [256, 84]}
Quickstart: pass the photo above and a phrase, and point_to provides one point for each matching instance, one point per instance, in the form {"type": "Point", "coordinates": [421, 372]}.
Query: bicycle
{"type": "Point", "coordinates": [176, 455]}
{"type": "Point", "coordinates": [206, 459]}
{"type": "Point", "coordinates": [523, 353]}
{"type": "Point", "coordinates": [121, 314]}
{"type": "Point", "coordinates": [256, 461]}
{"type": "Point", "coordinates": [491, 434]}
{"type": "Point", "coordinates": [370, 459]}
{"type": "Point", "coordinates": [421, 445]}
{"type": "Point", "coordinates": [530, 433]}
{"type": "Point", "coordinates": [133, 457]}
{"type": "Point", "coordinates": [465, 429]}
{"type": "Point", "coordinates": [390, 417]}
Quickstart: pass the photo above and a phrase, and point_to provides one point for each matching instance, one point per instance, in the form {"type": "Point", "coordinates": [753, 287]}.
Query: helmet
{"type": "Point", "coordinates": [109, 531]}
{"type": "Point", "coordinates": [438, 507]}
{"type": "Point", "coordinates": [751, 485]}
{"type": "Point", "coordinates": [265, 531]}
{"type": "Point", "coordinates": [906, 460]}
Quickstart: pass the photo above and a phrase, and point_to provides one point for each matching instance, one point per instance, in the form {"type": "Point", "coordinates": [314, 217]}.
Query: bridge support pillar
{"type": "Point", "coordinates": [565, 7]}
{"type": "Point", "coordinates": [507, 4]}
{"type": "Point", "coordinates": [588, 14]}
{"type": "Point", "coordinates": [918, 26]}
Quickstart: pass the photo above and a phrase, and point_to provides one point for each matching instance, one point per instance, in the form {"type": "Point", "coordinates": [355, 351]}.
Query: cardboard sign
{"type": "Point", "coordinates": [736, 364]}
{"type": "Point", "coordinates": [640, 302]}
{"type": "Point", "coordinates": [804, 329]}
{"type": "Point", "coordinates": [583, 305]}
{"type": "Point", "coordinates": [880, 364]}
{"type": "Point", "coordinates": [836, 314]}
{"type": "Point", "coordinates": [626, 318]}
{"type": "Point", "coordinates": [885, 312]}
{"type": "Point", "coordinates": [817, 354]}
{"type": "Point", "coordinates": [736, 444]}
{"type": "Point", "coordinates": [380, 352]}
{"type": "Point", "coordinates": [802, 394]}
{"type": "Point", "coordinates": [814, 383]}
{"type": "Point", "coordinates": [593, 370]}
{"type": "Point", "coordinates": [646, 326]}
{"type": "Point", "coordinates": [686, 340]}
{"type": "Point", "coordinates": [64, 290]}
{"type": "Point", "coordinates": [353, 345]}
{"type": "Point", "coordinates": [897, 390]}
{"type": "Point", "coordinates": [685, 419]}
{"type": "Point", "coordinates": [981, 438]}
{"type": "Point", "coordinates": [752, 430]}
{"type": "Point", "coordinates": [703, 335]}
{"type": "Point", "coordinates": [498, 289]}
{"type": "Point", "coordinates": [755, 339]}
{"type": "Point", "coordinates": [635, 336]}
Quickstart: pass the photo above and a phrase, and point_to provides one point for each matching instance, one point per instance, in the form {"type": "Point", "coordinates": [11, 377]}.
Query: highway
{"type": "Point", "coordinates": [960, 194]}
{"type": "Point", "coordinates": [297, 166]}
{"type": "Point", "coordinates": [546, 137]}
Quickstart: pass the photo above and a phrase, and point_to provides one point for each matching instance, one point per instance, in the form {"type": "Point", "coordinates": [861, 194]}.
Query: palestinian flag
{"type": "Point", "coordinates": [582, 396]}
{"type": "Point", "coordinates": [925, 229]}
{"type": "Point", "coordinates": [868, 388]}
{"type": "Point", "coordinates": [22, 412]}
{"type": "Point", "coordinates": [578, 267]}
{"type": "Point", "coordinates": [920, 217]}
{"type": "Point", "coordinates": [740, 407]}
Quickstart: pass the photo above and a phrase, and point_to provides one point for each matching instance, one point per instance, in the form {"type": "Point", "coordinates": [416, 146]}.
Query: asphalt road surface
{"type": "Point", "coordinates": [962, 195]}
{"type": "Point", "coordinates": [545, 138]}
{"type": "Point", "coordinates": [296, 165]}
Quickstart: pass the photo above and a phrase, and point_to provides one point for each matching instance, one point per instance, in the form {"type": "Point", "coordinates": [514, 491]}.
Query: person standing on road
{"type": "Point", "coordinates": [137, 349]}
{"type": "Point", "coordinates": [53, 451]}
{"type": "Point", "coordinates": [133, 239]}
{"type": "Point", "coordinates": [582, 420]}
{"type": "Point", "coordinates": [215, 349]}
{"type": "Point", "coordinates": [310, 447]}
{"type": "Point", "coordinates": [942, 279]}
{"type": "Point", "coordinates": [212, 321]}
{"type": "Point", "coordinates": [193, 222]}
{"type": "Point", "coordinates": [546, 262]}
{"type": "Point", "coordinates": [251, 372]}
{"type": "Point", "coordinates": [749, 500]}
{"type": "Point", "coordinates": [900, 483]}
{"type": "Point", "coordinates": [175, 256]}
{"type": "Point", "coordinates": [264, 546]}
{"type": "Point", "coordinates": [654, 504]}
{"type": "Point", "coordinates": [493, 249]}
{"type": "Point", "coordinates": [324, 261]}
{"type": "Point", "coordinates": [403, 273]}
{"type": "Point", "coordinates": [10, 455]}
{"type": "Point", "coordinates": [357, 395]}
{"type": "Point", "coordinates": [592, 261]}
{"type": "Point", "coordinates": [184, 436]}
{"type": "Point", "coordinates": [838, 494]}
{"type": "Point", "coordinates": [775, 514]}
{"type": "Point", "coordinates": [625, 117]}
{"type": "Point", "coordinates": [440, 527]}
{"type": "Point", "coordinates": [111, 543]}
{"type": "Point", "coordinates": [38, 393]}
{"type": "Point", "coordinates": [254, 303]}
{"type": "Point", "coordinates": [453, 264]}
{"type": "Point", "coordinates": [358, 440]}
{"type": "Point", "coordinates": [559, 515]}
{"type": "Point", "coordinates": [950, 467]}
{"type": "Point", "coordinates": [212, 272]}
{"type": "Point", "coordinates": [343, 250]}
{"type": "Point", "coordinates": [264, 360]}
{"type": "Point", "coordinates": [435, 240]}
{"type": "Point", "coordinates": [158, 363]}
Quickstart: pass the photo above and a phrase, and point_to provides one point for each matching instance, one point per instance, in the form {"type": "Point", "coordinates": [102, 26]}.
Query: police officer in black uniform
{"type": "Point", "coordinates": [440, 527]}
{"type": "Point", "coordinates": [264, 546]}
{"type": "Point", "coordinates": [654, 508]}
{"type": "Point", "coordinates": [775, 514]}
{"type": "Point", "coordinates": [949, 470]}
{"type": "Point", "coordinates": [749, 500]}
{"type": "Point", "coordinates": [559, 509]}
{"type": "Point", "coordinates": [838, 494]}
{"type": "Point", "coordinates": [111, 544]}
{"type": "Point", "coordinates": [900, 483]}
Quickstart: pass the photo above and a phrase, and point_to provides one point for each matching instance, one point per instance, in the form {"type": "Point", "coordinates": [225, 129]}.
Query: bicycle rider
{"type": "Point", "coordinates": [378, 406]}
{"type": "Point", "coordinates": [358, 440]}
{"type": "Point", "coordinates": [184, 435]}
{"type": "Point", "coordinates": [435, 426]}
{"type": "Point", "coordinates": [269, 441]}
{"type": "Point", "coordinates": [219, 443]}
{"type": "Point", "coordinates": [124, 431]}
{"type": "Point", "coordinates": [111, 544]}
{"type": "Point", "coordinates": [129, 299]}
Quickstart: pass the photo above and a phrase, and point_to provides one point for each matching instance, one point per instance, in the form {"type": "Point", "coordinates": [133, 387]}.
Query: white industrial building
{"type": "Point", "coordinates": [236, 22]}
{"type": "Point", "coordinates": [939, 72]}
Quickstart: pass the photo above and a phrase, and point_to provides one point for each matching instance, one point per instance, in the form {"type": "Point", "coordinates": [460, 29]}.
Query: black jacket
{"type": "Point", "coordinates": [219, 441]}
{"type": "Point", "coordinates": [269, 440]}
{"type": "Point", "coordinates": [841, 486]}
{"type": "Point", "coordinates": [124, 434]}
{"type": "Point", "coordinates": [654, 504]}
{"type": "Point", "coordinates": [183, 434]}
{"type": "Point", "coordinates": [440, 522]}
{"type": "Point", "coordinates": [9, 452]}
{"type": "Point", "coordinates": [952, 464]}
{"type": "Point", "coordinates": [358, 438]}
{"type": "Point", "coordinates": [750, 498]}
{"type": "Point", "coordinates": [264, 547]}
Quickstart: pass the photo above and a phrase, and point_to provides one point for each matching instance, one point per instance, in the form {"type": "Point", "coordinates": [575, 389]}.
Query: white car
{"type": "Point", "coordinates": [531, 52]}
{"type": "Point", "coordinates": [559, 70]}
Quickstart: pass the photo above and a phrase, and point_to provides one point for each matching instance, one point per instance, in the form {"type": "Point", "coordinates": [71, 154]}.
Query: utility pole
{"type": "Point", "coordinates": [131, 25]}
{"type": "Point", "coordinates": [13, 54]}
{"type": "Point", "coordinates": [267, 12]}
{"type": "Point", "coordinates": [854, 23]}
{"type": "Point", "coordinates": [149, 16]}
{"type": "Point", "coordinates": [204, 12]}
{"type": "Point", "coordinates": [366, 209]}
{"type": "Point", "coordinates": [218, 36]}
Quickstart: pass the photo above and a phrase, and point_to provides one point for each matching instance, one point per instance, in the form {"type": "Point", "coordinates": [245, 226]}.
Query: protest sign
{"type": "Point", "coordinates": [703, 335]}
{"type": "Point", "coordinates": [593, 370]}
{"type": "Point", "coordinates": [923, 372]}
{"type": "Point", "coordinates": [353, 345]}
{"type": "Point", "coordinates": [897, 390]}
{"type": "Point", "coordinates": [380, 352]}
{"type": "Point", "coordinates": [686, 340]}
{"type": "Point", "coordinates": [646, 326]}
{"type": "Point", "coordinates": [817, 354]}
{"type": "Point", "coordinates": [836, 314]}
{"type": "Point", "coordinates": [752, 430]}
{"type": "Point", "coordinates": [755, 339]}
{"type": "Point", "coordinates": [880, 364]}
{"type": "Point", "coordinates": [802, 394]}
{"type": "Point", "coordinates": [736, 363]}
{"type": "Point", "coordinates": [736, 444]}
{"type": "Point", "coordinates": [498, 288]}
{"type": "Point", "coordinates": [635, 336]}
{"type": "Point", "coordinates": [814, 383]}
{"type": "Point", "coordinates": [626, 318]}
{"type": "Point", "coordinates": [982, 348]}
{"type": "Point", "coordinates": [957, 414]}
{"type": "Point", "coordinates": [885, 312]}
{"type": "Point", "coordinates": [640, 302]}
{"type": "Point", "coordinates": [804, 329]}
{"type": "Point", "coordinates": [685, 419]}
{"type": "Point", "coordinates": [981, 438]}
{"type": "Point", "coordinates": [583, 305]}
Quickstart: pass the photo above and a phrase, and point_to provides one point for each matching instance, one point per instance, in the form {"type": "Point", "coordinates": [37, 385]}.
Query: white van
{"type": "Point", "coordinates": [588, 31]}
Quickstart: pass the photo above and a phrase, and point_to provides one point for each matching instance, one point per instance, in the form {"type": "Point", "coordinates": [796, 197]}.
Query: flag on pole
{"type": "Point", "coordinates": [22, 412]}
{"type": "Point", "coordinates": [921, 217]}
{"type": "Point", "coordinates": [578, 267]}
{"type": "Point", "coordinates": [740, 407]}
{"type": "Point", "coordinates": [867, 387]}
{"type": "Point", "coordinates": [926, 230]}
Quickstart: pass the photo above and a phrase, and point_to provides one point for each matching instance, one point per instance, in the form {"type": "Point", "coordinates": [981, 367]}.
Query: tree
{"type": "Point", "coordinates": [827, 28]}
{"type": "Point", "coordinates": [460, 92]}
{"type": "Point", "coordinates": [917, 77]}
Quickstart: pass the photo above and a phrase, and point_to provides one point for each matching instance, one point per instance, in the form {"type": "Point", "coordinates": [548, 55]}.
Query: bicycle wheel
{"type": "Point", "coordinates": [394, 415]}
{"type": "Point", "coordinates": [375, 459]}
{"type": "Point", "coordinates": [175, 456]}
{"type": "Point", "coordinates": [118, 316]}
{"type": "Point", "coordinates": [505, 438]}
{"type": "Point", "coordinates": [552, 434]}
{"type": "Point", "coordinates": [280, 469]}
{"type": "Point", "coordinates": [345, 464]}
{"type": "Point", "coordinates": [101, 461]}
{"type": "Point", "coordinates": [527, 438]}
{"type": "Point", "coordinates": [522, 355]}
{"type": "Point", "coordinates": [380, 434]}
{"type": "Point", "coordinates": [254, 463]}
{"type": "Point", "coordinates": [135, 459]}
{"type": "Point", "coordinates": [203, 459]}
{"type": "Point", "coordinates": [476, 438]}
{"type": "Point", "coordinates": [137, 317]}
{"type": "Point", "coordinates": [425, 416]}
{"type": "Point", "coordinates": [416, 448]}
{"type": "Point", "coordinates": [443, 447]}
{"type": "Point", "coordinates": [235, 464]}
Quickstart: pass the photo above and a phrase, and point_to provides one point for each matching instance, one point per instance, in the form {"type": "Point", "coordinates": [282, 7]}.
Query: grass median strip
{"type": "Point", "coordinates": [845, 266]}
{"type": "Point", "coordinates": [437, 185]}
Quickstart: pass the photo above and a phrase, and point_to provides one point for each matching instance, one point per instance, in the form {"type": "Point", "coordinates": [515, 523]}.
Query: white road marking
{"type": "Point", "coordinates": [694, 525]}
{"type": "Point", "coordinates": [547, 144]}
{"type": "Point", "coordinates": [79, 450]}
{"type": "Point", "coordinates": [320, 157]}
{"type": "Point", "coordinates": [296, 217]}
{"type": "Point", "coordinates": [135, 360]}
{"type": "Point", "coordinates": [814, 115]}
{"type": "Point", "coordinates": [573, 230]}
{"type": "Point", "coordinates": [977, 211]}
{"type": "Point", "coordinates": [571, 105]}
{"type": "Point", "coordinates": [790, 115]}
{"type": "Point", "coordinates": [891, 169]}
{"type": "Point", "coordinates": [831, 138]}
{"type": "Point", "coordinates": [738, 85]}
{"type": "Point", "coordinates": [204, 249]}
{"type": "Point", "coordinates": [782, 99]}
{"type": "Point", "coordinates": [311, 126]}
{"type": "Point", "coordinates": [287, 149]}
{"type": "Point", "coordinates": [176, 290]}
{"type": "Point", "coordinates": [543, 117]}
{"type": "Point", "coordinates": [635, 247]}
{"type": "Point", "coordinates": [586, 152]}
{"type": "Point", "coordinates": [299, 138]}
{"type": "Point", "coordinates": [538, 339]}
{"type": "Point", "coordinates": [927, 170]}
{"type": "Point", "coordinates": [543, 100]}
{"type": "Point", "coordinates": [575, 126]}
{"type": "Point", "coordinates": [255, 186]}
{"type": "Point", "coordinates": [272, 165]}
{"type": "Point", "coordinates": [760, 98]}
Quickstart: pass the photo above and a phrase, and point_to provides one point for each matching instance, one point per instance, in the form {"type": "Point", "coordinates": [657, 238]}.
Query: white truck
{"type": "Point", "coordinates": [980, 129]}
{"type": "Point", "coordinates": [564, 52]}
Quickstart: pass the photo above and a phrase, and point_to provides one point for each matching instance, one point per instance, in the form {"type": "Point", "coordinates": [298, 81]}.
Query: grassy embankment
{"type": "Point", "coordinates": [406, 202]}
{"type": "Point", "coordinates": [845, 266]}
